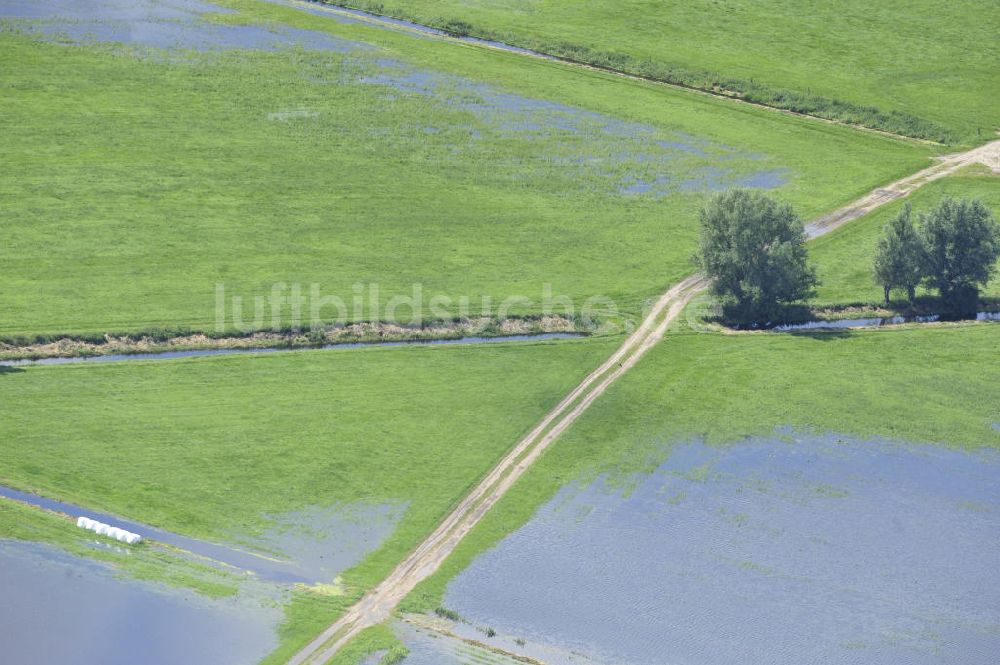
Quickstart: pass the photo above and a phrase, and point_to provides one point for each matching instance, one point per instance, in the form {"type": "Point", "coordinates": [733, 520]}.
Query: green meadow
{"type": "Point", "coordinates": [210, 446]}
{"type": "Point", "coordinates": [929, 65]}
{"type": "Point", "coordinates": [123, 209]}
{"type": "Point", "coordinates": [135, 182]}
{"type": "Point", "coordinates": [844, 258]}
{"type": "Point", "coordinates": [930, 384]}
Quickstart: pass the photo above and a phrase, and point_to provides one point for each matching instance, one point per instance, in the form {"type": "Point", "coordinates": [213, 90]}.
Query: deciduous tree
{"type": "Point", "coordinates": [900, 256]}
{"type": "Point", "coordinates": [962, 242]}
{"type": "Point", "coordinates": [753, 249]}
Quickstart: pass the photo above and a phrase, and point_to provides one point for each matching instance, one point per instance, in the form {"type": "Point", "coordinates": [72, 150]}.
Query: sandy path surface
{"type": "Point", "coordinates": [988, 155]}
{"type": "Point", "coordinates": [378, 604]}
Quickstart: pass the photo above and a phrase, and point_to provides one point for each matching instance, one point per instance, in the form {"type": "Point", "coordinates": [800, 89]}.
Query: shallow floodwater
{"type": "Point", "coordinates": [157, 24]}
{"type": "Point", "coordinates": [635, 158]}
{"type": "Point", "coordinates": [825, 550]}
{"type": "Point", "coordinates": [58, 608]}
{"type": "Point", "coordinates": [307, 546]}
{"type": "Point", "coordinates": [324, 542]}
{"type": "Point", "coordinates": [594, 151]}
{"type": "Point", "coordinates": [429, 648]}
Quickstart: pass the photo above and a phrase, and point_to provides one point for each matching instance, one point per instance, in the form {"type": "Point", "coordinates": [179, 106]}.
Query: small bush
{"type": "Point", "coordinates": [317, 337]}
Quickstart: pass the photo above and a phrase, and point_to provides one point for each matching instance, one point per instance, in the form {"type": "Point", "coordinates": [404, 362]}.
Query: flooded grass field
{"type": "Point", "coordinates": [822, 549]}
{"type": "Point", "coordinates": [287, 486]}
{"type": "Point", "coordinates": [180, 599]}
{"type": "Point", "coordinates": [58, 608]}
{"type": "Point", "coordinates": [634, 158]}
{"type": "Point", "coordinates": [290, 146]}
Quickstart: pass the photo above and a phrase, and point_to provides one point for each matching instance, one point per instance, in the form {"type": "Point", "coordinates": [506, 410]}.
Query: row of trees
{"type": "Point", "coordinates": [753, 248]}
{"type": "Point", "coordinates": [952, 248]}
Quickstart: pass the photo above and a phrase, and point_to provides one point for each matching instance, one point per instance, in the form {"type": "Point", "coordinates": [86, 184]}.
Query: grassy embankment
{"type": "Point", "coordinates": [917, 68]}
{"type": "Point", "coordinates": [123, 209]}
{"type": "Point", "coordinates": [212, 447]}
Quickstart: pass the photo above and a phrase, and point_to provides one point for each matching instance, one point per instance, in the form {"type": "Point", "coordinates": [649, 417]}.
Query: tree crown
{"type": "Point", "coordinates": [753, 249]}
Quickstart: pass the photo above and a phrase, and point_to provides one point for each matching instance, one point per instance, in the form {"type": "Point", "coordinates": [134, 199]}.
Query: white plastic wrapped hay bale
{"type": "Point", "coordinates": [101, 529]}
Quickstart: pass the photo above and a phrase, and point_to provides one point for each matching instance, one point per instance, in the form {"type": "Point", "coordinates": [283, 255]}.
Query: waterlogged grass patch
{"type": "Point", "coordinates": [900, 68]}
{"type": "Point", "coordinates": [246, 449]}
{"type": "Point", "coordinates": [150, 561]}
{"type": "Point", "coordinates": [337, 588]}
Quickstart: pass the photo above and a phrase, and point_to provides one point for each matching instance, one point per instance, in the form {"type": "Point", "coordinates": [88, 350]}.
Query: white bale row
{"type": "Point", "coordinates": [103, 529]}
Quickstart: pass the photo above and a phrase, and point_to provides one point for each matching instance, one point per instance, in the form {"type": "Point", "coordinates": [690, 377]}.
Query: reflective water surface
{"type": "Point", "coordinates": [62, 609]}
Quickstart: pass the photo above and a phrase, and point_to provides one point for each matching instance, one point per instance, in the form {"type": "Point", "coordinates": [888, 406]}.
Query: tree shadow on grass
{"type": "Point", "coordinates": [9, 369]}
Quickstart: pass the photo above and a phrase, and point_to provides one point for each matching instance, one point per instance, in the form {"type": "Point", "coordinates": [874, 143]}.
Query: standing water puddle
{"type": "Point", "coordinates": [825, 550]}
{"type": "Point", "coordinates": [158, 24]}
{"type": "Point", "coordinates": [63, 609]}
